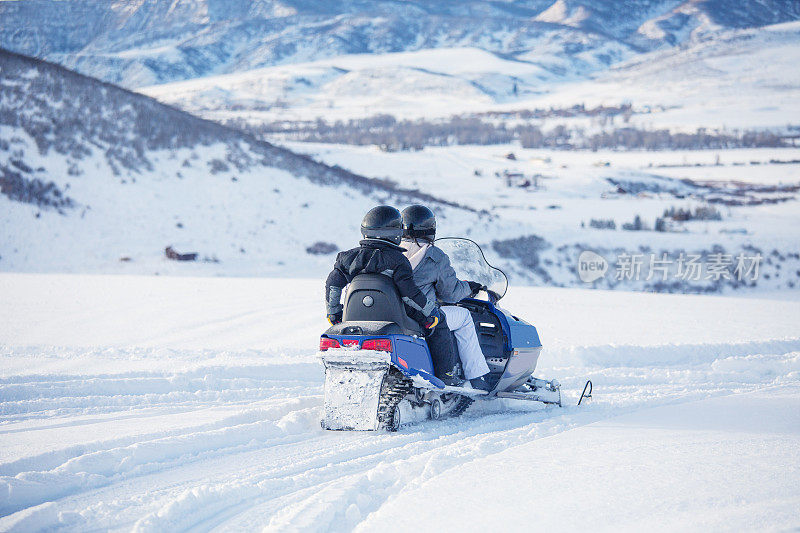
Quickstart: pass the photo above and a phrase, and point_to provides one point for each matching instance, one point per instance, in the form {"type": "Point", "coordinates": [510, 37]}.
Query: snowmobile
{"type": "Point", "coordinates": [378, 369]}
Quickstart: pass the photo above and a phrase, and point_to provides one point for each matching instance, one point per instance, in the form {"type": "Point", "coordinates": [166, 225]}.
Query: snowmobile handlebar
{"type": "Point", "coordinates": [493, 296]}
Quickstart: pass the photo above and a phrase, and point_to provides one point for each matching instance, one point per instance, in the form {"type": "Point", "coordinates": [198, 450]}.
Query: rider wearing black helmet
{"type": "Point", "coordinates": [379, 253]}
{"type": "Point", "coordinates": [383, 223]}
{"type": "Point", "coordinates": [419, 222]}
{"type": "Point", "coordinates": [437, 280]}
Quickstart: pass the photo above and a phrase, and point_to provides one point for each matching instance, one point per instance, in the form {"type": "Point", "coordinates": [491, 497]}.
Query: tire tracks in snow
{"type": "Point", "coordinates": [284, 472]}
{"type": "Point", "coordinates": [91, 468]}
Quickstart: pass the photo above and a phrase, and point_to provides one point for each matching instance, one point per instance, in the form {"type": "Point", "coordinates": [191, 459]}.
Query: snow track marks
{"type": "Point", "coordinates": [239, 447]}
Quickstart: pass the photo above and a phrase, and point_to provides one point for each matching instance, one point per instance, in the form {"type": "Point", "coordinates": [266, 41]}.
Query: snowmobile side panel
{"type": "Point", "coordinates": [521, 334]}
{"type": "Point", "coordinates": [519, 367]}
{"type": "Point", "coordinates": [518, 333]}
{"type": "Point", "coordinates": [411, 353]}
{"type": "Point", "coordinates": [423, 379]}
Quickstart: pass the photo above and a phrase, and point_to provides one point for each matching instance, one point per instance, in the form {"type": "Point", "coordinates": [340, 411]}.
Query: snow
{"type": "Point", "coordinates": [142, 394]}
{"type": "Point", "coordinates": [172, 403]}
{"type": "Point", "coordinates": [177, 203]}
{"type": "Point", "coordinates": [254, 240]}
{"type": "Point", "coordinates": [448, 80]}
{"type": "Point", "coordinates": [736, 79]}
{"type": "Point", "coordinates": [577, 184]}
{"type": "Point", "coordinates": [728, 463]}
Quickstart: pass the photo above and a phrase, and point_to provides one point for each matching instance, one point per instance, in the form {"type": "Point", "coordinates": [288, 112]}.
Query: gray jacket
{"type": "Point", "coordinates": [436, 278]}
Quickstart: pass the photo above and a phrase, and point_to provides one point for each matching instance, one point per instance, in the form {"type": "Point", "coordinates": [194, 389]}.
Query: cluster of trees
{"type": "Point", "coordinates": [577, 110]}
{"type": "Point", "coordinates": [633, 138]}
{"type": "Point", "coordinates": [662, 222]}
{"type": "Point", "coordinates": [672, 214]}
{"type": "Point", "coordinates": [603, 223]}
{"type": "Point", "coordinates": [386, 131]}
{"type": "Point", "coordinates": [526, 251]}
{"type": "Point", "coordinates": [393, 134]}
{"type": "Point", "coordinates": [636, 225]}
{"type": "Point", "coordinates": [700, 213]}
{"type": "Point", "coordinates": [32, 190]}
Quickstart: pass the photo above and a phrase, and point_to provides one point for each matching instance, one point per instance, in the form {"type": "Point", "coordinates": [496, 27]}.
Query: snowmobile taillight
{"type": "Point", "coordinates": [381, 345]}
{"type": "Point", "coordinates": [325, 343]}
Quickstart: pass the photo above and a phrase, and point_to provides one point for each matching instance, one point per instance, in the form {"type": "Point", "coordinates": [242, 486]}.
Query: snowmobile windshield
{"type": "Point", "coordinates": [468, 260]}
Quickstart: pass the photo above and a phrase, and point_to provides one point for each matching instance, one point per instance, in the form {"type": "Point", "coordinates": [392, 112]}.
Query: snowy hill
{"type": "Point", "coordinates": [742, 78]}
{"type": "Point", "coordinates": [145, 43]}
{"type": "Point", "coordinates": [719, 82]}
{"type": "Point", "coordinates": [120, 410]}
{"type": "Point", "coordinates": [550, 205]}
{"type": "Point", "coordinates": [423, 83]}
{"type": "Point", "coordinates": [95, 177]}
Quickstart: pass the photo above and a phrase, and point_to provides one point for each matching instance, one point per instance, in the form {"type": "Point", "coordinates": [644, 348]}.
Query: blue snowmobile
{"type": "Point", "coordinates": [378, 369]}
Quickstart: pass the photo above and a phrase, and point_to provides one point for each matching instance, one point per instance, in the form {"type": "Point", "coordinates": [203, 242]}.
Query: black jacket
{"type": "Point", "coordinates": [375, 256]}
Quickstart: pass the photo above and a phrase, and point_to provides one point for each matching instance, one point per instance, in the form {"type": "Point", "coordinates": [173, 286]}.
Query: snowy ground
{"type": "Point", "coordinates": [573, 188]}
{"type": "Point", "coordinates": [155, 404]}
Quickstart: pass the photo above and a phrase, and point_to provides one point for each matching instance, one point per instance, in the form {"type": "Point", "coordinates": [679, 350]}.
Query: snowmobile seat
{"type": "Point", "coordinates": [375, 298]}
{"type": "Point", "coordinates": [365, 327]}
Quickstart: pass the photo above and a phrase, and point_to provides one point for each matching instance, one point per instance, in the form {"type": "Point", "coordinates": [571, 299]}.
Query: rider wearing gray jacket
{"type": "Point", "coordinates": [434, 276]}
{"type": "Point", "coordinates": [437, 279]}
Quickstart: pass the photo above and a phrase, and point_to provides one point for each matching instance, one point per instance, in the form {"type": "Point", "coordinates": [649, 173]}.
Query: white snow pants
{"type": "Point", "coordinates": [469, 349]}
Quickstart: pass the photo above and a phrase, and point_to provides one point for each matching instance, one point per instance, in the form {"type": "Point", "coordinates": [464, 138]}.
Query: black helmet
{"type": "Point", "coordinates": [419, 221]}
{"type": "Point", "coordinates": [383, 222]}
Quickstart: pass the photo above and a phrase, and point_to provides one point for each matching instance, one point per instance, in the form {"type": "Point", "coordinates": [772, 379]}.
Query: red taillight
{"type": "Point", "coordinates": [325, 343]}
{"type": "Point", "coordinates": [349, 342]}
{"type": "Point", "coordinates": [381, 345]}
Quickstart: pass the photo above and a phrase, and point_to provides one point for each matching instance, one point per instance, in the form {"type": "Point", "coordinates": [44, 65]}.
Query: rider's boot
{"type": "Point", "coordinates": [452, 377]}
{"type": "Point", "coordinates": [480, 383]}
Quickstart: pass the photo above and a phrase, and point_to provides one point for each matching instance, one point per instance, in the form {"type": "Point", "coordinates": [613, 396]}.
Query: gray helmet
{"type": "Point", "coordinates": [383, 222]}
{"type": "Point", "coordinates": [419, 222]}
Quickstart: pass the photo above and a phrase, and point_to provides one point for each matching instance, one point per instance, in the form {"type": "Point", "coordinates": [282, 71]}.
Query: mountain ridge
{"type": "Point", "coordinates": [173, 138]}
{"type": "Point", "coordinates": [95, 176]}
{"type": "Point", "coordinates": [163, 41]}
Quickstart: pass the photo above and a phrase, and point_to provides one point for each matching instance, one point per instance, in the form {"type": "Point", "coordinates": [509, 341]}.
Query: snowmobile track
{"type": "Point", "coordinates": [394, 388]}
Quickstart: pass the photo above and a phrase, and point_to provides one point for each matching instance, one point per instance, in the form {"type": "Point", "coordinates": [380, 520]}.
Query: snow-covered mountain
{"type": "Point", "coordinates": [91, 175]}
{"type": "Point", "coordinates": [743, 78]}
{"type": "Point", "coordinates": [148, 42]}
{"type": "Point", "coordinates": [95, 178]}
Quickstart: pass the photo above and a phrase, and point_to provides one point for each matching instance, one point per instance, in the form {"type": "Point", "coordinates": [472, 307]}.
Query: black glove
{"type": "Point", "coordinates": [475, 287]}
{"type": "Point", "coordinates": [335, 318]}
{"type": "Point", "coordinates": [432, 320]}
